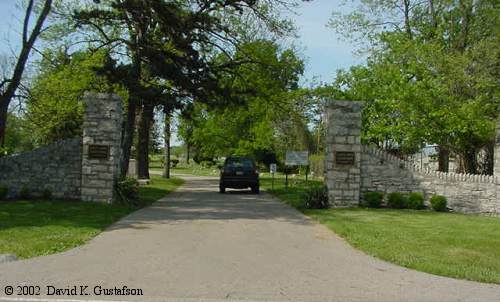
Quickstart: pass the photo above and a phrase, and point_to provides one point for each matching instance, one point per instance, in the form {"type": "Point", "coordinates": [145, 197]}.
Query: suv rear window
{"type": "Point", "coordinates": [240, 163]}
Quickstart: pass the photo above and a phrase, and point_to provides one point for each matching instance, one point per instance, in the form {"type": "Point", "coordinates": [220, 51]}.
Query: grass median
{"type": "Point", "coordinates": [30, 228]}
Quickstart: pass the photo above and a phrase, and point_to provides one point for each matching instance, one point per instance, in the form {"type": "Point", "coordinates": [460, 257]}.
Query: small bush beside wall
{"type": "Point", "coordinates": [438, 203]}
{"type": "Point", "coordinates": [397, 200]}
{"type": "Point", "coordinates": [373, 199]}
{"type": "Point", "coordinates": [25, 193]}
{"type": "Point", "coordinates": [127, 191]}
{"type": "Point", "coordinates": [416, 201]}
{"type": "Point", "coordinates": [3, 192]}
{"type": "Point", "coordinates": [46, 194]}
{"type": "Point", "coordinates": [316, 198]}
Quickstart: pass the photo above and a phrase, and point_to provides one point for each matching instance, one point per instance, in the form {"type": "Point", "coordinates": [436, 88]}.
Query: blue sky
{"type": "Point", "coordinates": [321, 47]}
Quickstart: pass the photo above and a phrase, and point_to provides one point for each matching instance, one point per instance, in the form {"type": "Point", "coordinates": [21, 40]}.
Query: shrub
{"type": "Point", "coordinates": [3, 192]}
{"type": "Point", "coordinates": [46, 193]}
{"type": "Point", "coordinates": [25, 193]}
{"type": "Point", "coordinates": [373, 199]}
{"type": "Point", "coordinates": [127, 191]}
{"type": "Point", "coordinates": [416, 201]}
{"type": "Point", "coordinates": [207, 164]}
{"type": "Point", "coordinates": [174, 162]}
{"type": "Point", "coordinates": [438, 203]}
{"type": "Point", "coordinates": [397, 200]}
{"type": "Point", "coordinates": [316, 197]}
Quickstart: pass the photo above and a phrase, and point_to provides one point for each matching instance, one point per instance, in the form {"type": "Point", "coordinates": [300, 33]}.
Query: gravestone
{"type": "Point", "coordinates": [101, 146]}
{"type": "Point", "coordinates": [343, 154]}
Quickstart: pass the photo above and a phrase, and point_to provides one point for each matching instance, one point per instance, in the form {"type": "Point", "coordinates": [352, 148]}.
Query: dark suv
{"type": "Point", "coordinates": [239, 173]}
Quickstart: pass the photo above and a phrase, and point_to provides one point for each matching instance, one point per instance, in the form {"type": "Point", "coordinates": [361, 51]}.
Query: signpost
{"type": "Point", "coordinates": [272, 170]}
{"type": "Point", "coordinates": [296, 158]}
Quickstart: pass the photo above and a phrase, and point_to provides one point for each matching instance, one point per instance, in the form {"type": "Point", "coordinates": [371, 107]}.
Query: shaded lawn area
{"type": "Point", "coordinates": [447, 244]}
{"type": "Point", "coordinates": [41, 227]}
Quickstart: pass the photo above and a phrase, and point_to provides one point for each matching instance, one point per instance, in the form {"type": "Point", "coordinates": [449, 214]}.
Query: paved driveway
{"type": "Point", "coordinates": [199, 245]}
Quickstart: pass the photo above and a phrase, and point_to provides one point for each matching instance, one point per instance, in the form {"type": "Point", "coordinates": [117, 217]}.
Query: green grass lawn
{"type": "Point", "coordinates": [41, 227]}
{"type": "Point", "coordinates": [452, 245]}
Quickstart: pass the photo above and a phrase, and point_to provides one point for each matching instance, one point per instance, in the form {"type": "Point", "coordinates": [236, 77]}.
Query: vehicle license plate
{"type": "Point", "coordinates": [239, 173]}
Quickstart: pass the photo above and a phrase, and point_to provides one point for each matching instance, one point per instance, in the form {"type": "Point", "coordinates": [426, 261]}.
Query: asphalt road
{"type": "Point", "coordinates": [199, 245]}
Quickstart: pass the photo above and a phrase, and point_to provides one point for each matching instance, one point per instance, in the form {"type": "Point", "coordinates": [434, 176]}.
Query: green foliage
{"type": "Point", "coordinates": [316, 197]}
{"type": "Point", "coordinates": [3, 192]}
{"type": "Point", "coordinates": [264, 121]}
{"type": "Point", "coordinates": [416, 201]}
{"type": "Point", "coordinates": [127, 191]}
{"type": "Point", "coordinates": [46, 194]}
{"type": "Point", "coordinates": [373, 199]}
{"type": "Point", "coordinates": [207, 163]}
{"type": "Point", "coordinates": [18, 138]}
{"type": "Point", "coordinates": [174, 162]}
{"type": "Point", "coordinates": [55, 108]}
{"type": "Point", "coordinates": [439, 203]}
{"type": "Point", "coordinates": [397, 200]}
{"type": "Point", "coordinates": [317, 164]}
{"type": "Point", "coordinates": [25, 193]}
{"type": "Point", "coordinates": [430, 80]}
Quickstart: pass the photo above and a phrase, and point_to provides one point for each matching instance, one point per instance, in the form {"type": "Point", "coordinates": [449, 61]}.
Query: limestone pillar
{"type": "Point", "coordinates": [343, 152]}
{"type": "Point", "coordinates": [101, 146]}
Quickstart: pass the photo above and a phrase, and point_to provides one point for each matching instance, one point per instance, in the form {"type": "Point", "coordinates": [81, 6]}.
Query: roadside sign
{"type": "Point", "coordinates": [297, 158]}
{"type": "Point", "coordinates": [272, 168]}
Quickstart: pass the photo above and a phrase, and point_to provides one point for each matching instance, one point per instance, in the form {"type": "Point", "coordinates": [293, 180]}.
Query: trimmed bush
{"type": "Point", "coordinates": [174, 162]}
{"type": "Point", "coordinates": [127, 191]}
{"type": "Point", "coordinates": [373, 199]}
{"type": "Point", "coordinates": [46, 193]}
{"type": "Point", "coordinates": [3, 192]}
{"type": "Point", "coordinates": [25, 193]}
{"type": "Point", "coordinates": [316, 198]}
{"type": "Point", "coordinates": [416, 201]}
{"type": "Point", "coordinates": [438, 203]}
{"type": "Point", "coordinates": [397, 200]}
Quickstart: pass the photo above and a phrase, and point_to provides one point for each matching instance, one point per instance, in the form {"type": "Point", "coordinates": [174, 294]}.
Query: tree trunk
{"type": "Point", "coordinates": [12, 84]}
{"type": "Point", "coordinates": [443, 159]}
{"type": "Point", "coordinates": [166, 168]}
{"type": "Point", "coordinates": [4, 106]}
{"type": "Point", "coordinates": [143, 131]}
{"type": "Point", "coordinates": [188, 147]}
{"type": "Point", "coordinates": [128, 136]}
{"type": "Point", "coordinates": [468, 162]}
{"type": "Point", "coordinates": [489, 161]}
{"type": "Point", "coordinates": [406, 9]}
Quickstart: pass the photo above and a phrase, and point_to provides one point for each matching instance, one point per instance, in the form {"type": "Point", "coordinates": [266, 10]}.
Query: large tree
{"type": "Point", "coordinates": [269, 116]}
{"type": "Point", "coordinates": [431, 75]}
{"type": "Point", "coordinates": [170, 47]}
{"type": "Point", "coordinates": [10, 84]}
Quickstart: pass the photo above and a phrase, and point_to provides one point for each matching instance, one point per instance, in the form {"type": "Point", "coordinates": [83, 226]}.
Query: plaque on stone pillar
{"type": "Point", "coordinates": [345, 158]}
{"type": "Point", "coordinates": [98, 152]}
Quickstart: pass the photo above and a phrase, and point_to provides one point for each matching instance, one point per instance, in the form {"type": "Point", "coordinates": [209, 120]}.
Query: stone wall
{"type": "Point", "coordinates": [56, 167]}
{"type": "Point", "coordinates": [375, 170]}
{"type": "Point", "coordinates": [465, 193]}
{"type": "Point", "coordinates": [83, 168]}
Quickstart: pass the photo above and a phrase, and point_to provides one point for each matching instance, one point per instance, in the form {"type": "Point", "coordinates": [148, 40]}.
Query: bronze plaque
{"type": "Point", "coordinates": [98, 152]}
{"type": "Point", "coordinates": [344, 158]}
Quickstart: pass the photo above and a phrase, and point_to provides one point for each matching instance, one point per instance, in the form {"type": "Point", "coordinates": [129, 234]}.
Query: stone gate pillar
{"type": "Point", "coordinates": [101, 146]}
{"type": "Point", "coordinates": [343, 152]}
